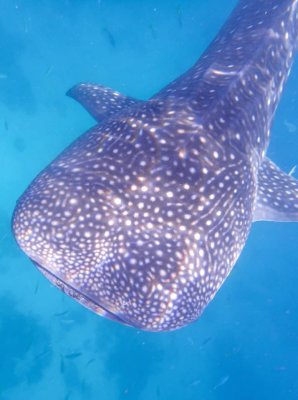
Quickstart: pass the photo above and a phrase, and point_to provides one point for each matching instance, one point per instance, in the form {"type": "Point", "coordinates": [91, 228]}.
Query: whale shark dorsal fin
{"type": "Point", "coordinates": [100, 101]}
{"type": "Point", "coordinates": [277, 198]}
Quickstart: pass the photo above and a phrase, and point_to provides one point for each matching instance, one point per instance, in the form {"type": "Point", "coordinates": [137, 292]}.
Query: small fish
{"type": "Point", "coordinates": [49, 70]}
{"type": "Point", "coordinates": [43, 354]}
{"type": "Point", "coordinates": [293, 170]}
{"type": "Point", "coordinates": [290, 127]}
{"type": "Point", "coordinates": [206, 341]}
{"type": "Point", "coordinates": [109, 36]}
{"type": "Point", "coordinates": [36, 288]}
{"type": "Point", "coordinates": [62, 365]}
{"type": "Point", "coordinates": [61, 314]}
{"type": "Point", "coordinates": [71, 356]}
{"type": "Point", "coordinates": [179, 15]}
{"type": "Point", "coordinates": [222, 382]}
{"type": "Point", "coordinates": [195, 382]}
{"type": "Point", "coordinates": [153, 31]}
{"type": "Point", "coordinates": [190, 341]}
{"type": "Point", "coordinates": [91, 361]}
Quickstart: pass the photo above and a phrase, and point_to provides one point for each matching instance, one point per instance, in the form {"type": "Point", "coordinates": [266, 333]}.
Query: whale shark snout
{"type": "Point", "coordinates": [114, 258]}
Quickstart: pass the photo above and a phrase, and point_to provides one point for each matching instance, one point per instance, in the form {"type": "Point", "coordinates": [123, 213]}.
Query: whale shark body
{"type": "Point", "coordinates": [143, 217]}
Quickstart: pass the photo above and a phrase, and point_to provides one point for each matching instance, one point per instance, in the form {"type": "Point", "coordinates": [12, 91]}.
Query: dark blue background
{"type": "Point", "coordinates": [245, 346]}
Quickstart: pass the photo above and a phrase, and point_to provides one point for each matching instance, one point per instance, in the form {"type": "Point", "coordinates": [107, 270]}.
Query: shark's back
{"type": "Point", "coordinates": [236, 84]}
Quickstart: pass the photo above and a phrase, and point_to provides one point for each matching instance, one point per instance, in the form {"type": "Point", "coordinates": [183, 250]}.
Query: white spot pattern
{"type": "Point", "coordinates": [143, 217]}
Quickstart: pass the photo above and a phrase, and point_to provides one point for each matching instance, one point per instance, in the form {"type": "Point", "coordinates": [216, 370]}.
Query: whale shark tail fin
{"type": "Point", "coordinates": [100, 101]}
{"type": "Point", "coordinates": [277, 198]}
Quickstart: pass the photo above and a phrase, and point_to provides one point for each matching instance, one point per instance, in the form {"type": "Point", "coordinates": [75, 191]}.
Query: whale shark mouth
{"type": "Point", "coordinates": [77, 295]}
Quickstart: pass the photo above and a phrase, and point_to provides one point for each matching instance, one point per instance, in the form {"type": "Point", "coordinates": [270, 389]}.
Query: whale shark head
{"type": "Point", "coordinates": [122, 222]}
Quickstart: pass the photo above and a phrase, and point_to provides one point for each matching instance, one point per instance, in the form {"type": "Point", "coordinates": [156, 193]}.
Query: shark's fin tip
{"type": "Point", "coordinates": [277, 198]}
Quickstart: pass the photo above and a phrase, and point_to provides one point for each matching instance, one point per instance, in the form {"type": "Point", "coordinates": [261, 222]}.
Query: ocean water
{"type": "Point", "coordinates": [245, 346]}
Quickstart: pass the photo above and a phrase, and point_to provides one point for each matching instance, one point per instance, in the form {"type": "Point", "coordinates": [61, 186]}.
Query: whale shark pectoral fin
{"type": "Point", "coordinates": [277, 198]}
{"type": "Point", "coordinates": [100, 101]}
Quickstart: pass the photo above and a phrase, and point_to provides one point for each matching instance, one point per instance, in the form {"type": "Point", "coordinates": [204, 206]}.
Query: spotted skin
{"type": "Point", "coordinates": [143, 217]}
{"type": "Point", "coordinates": [277, 195]}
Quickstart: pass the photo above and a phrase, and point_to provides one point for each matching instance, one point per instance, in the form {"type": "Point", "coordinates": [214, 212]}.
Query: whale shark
{"type": "Point", "coordinates": [143, 217]}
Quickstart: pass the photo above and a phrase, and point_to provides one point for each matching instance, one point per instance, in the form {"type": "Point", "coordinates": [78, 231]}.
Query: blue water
{"type": "Point", "coordinates": [245, 346]}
